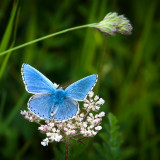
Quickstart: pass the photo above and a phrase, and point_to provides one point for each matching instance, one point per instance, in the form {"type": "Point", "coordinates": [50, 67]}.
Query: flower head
{"type": "Point", "coordinates": [86, 123]}
{"type": "Point", "coordinates": [114, 23]}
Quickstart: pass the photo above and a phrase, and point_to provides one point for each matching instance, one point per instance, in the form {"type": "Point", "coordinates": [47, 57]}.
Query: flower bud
{"type": "Point", "coordinates": [112, 23]}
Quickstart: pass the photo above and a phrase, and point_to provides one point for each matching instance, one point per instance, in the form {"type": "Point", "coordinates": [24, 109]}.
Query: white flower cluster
{"type": "Point", "coordinates": [84, 124]}
{"type": "Point", "coordinates": [30, 116]}
{"type": "Point", "coordinates": [93, 104]}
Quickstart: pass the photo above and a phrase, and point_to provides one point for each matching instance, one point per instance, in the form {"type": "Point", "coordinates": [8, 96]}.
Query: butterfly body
{"type": "Point", "coordinates": [59, 95]}
{"type": "Point", "coordinates": [50, 102]}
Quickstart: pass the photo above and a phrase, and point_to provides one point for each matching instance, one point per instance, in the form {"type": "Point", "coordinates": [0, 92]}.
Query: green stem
{"type": "Point", "coordinates": [45, 37]}
{"type": "Point", "coordinates": [66, 148]}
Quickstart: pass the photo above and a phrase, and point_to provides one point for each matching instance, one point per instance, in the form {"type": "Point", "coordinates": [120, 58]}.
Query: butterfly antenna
{"type": "Point", "coordinates": [65, 86]}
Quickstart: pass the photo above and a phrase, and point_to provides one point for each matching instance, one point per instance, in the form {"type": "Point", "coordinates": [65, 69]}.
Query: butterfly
{"type": "Point", "coordinates": [48, 102]}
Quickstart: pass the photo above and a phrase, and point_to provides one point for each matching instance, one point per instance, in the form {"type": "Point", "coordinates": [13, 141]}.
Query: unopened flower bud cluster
{"type": "Point", "coordinates": [114, 23]}
{"type": "Point", "coordinates": [87, 123]}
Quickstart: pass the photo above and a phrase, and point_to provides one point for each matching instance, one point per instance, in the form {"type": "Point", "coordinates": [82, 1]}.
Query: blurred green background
{"type": "Point", "coordinates": [128, 69]}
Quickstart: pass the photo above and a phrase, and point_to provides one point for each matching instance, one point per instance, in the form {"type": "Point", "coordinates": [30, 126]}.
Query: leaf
{"type": "Point", "coordinates": [112, 140]}
{"type": "Point", "coordinates": [7, 35]}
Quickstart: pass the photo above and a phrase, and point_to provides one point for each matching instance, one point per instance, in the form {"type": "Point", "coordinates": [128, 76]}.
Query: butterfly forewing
{"type": "Point", "coordinates": [35, 82]}
{"type": "Point", "coordinates": [80, 89]}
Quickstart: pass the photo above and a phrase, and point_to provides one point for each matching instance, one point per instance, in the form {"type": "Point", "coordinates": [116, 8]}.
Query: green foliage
{"type": "Point", "coordinates": [128, 69]}
{"type": "Point", "coordinates": [111, 140]}
{"type": "Point", "coordinates": [7, 37]}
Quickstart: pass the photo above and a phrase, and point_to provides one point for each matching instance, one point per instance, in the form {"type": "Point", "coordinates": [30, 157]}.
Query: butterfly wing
{"type": "Point", "coordinates": [42, 105]}
{"type": "Point", "coordinates": [66, 110]}
{"type": "Point", "coordinates": [80, 89]}
{"type": "Point", "coordinates": [36, 82]}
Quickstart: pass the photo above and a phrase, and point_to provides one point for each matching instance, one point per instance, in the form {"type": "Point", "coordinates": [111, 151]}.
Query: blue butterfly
{"type": "Point", "coordinates": [49, 102]}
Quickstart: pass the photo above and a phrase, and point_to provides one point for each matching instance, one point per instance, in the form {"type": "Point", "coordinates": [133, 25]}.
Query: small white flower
{"type": "Point", "coordinates": [96, 121]}
{"type": "Point", "coordinates": [72, 132]}
{"type": "Point", "coordinates": [26, 117]}
{"type": "Point", "coordinates": [60, 125]}
{"type": "Point", "coordinates": [58, 131]}
{"type": "Point", "coordinates": [94, 133]}
{"type": "Point", "coordinates": [88, 133]}
{"type": "Point", "coordinates": [84, 124]}
{"type": "Point", "coordinates": [91, 100]}
{"type": "Point", "coordinates": [91, 126]}
{"type": "Point", "coordinates": [73, 126]}
{"type": "Point", "coordinates": [91, 114]}
{"type": "Point", "coordinates": [65, 129]}
{"type": "Point", "coordinates": [98, 128]}
{"type": "Point", "coordinates": [96, 98]}
{"type": "Point", "coordinates": [102, 114]}
{"type": "Point", "coordinates": [82, 131]}
{"type": "Point", "coordinates": [89, 119]}
{"type": "Point", "coordinates": [40, 128]}
{"type": "Point", "coordinates": [80, 119]}
{"type": "Point", "coordinates": [48, 134]}
{"type": "Point", "coordinates": [85, 105]}
{"type": "Point", "coordinates": [91, 93]}
{"type": "Point", "coordinates": [68, 125]}
{"type": "Point", "coordinates": [97, 107]}
{"type": "Point", "coordinates": [51, 124]}
{"type": "Point", "coordinates": [101, 101]}
{"type": "Point", "coordinates": [90, 107]}
{"type": "Point", "coordinates": [82, 115]}
{"type": "Point", "coordinates": [45, 142]}
{"type": "Point", "coordinates": [23, 112]}
{"type": "Point", "coordinates": [54, 130]}
{"type": "Point", "coordinates": [58, 138]}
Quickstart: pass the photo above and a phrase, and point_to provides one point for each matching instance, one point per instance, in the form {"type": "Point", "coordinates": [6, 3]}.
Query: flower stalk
{"type": "Point", "coordinates": [110, 25]}
{"type": "Point", "coordinates": [67, 148]}
{"type": "Point", "coordinates": [43, 38]}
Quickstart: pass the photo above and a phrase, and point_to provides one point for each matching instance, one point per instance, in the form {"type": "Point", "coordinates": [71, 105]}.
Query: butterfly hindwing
{"type": "Point", "coordinates": [36, 82]}
{"type": "Point", "coordinates": [42, 105]}
{"type": "Point", "coordinates": [66, 110]}
{"type": "Point", "coordinates": [80, 89]}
